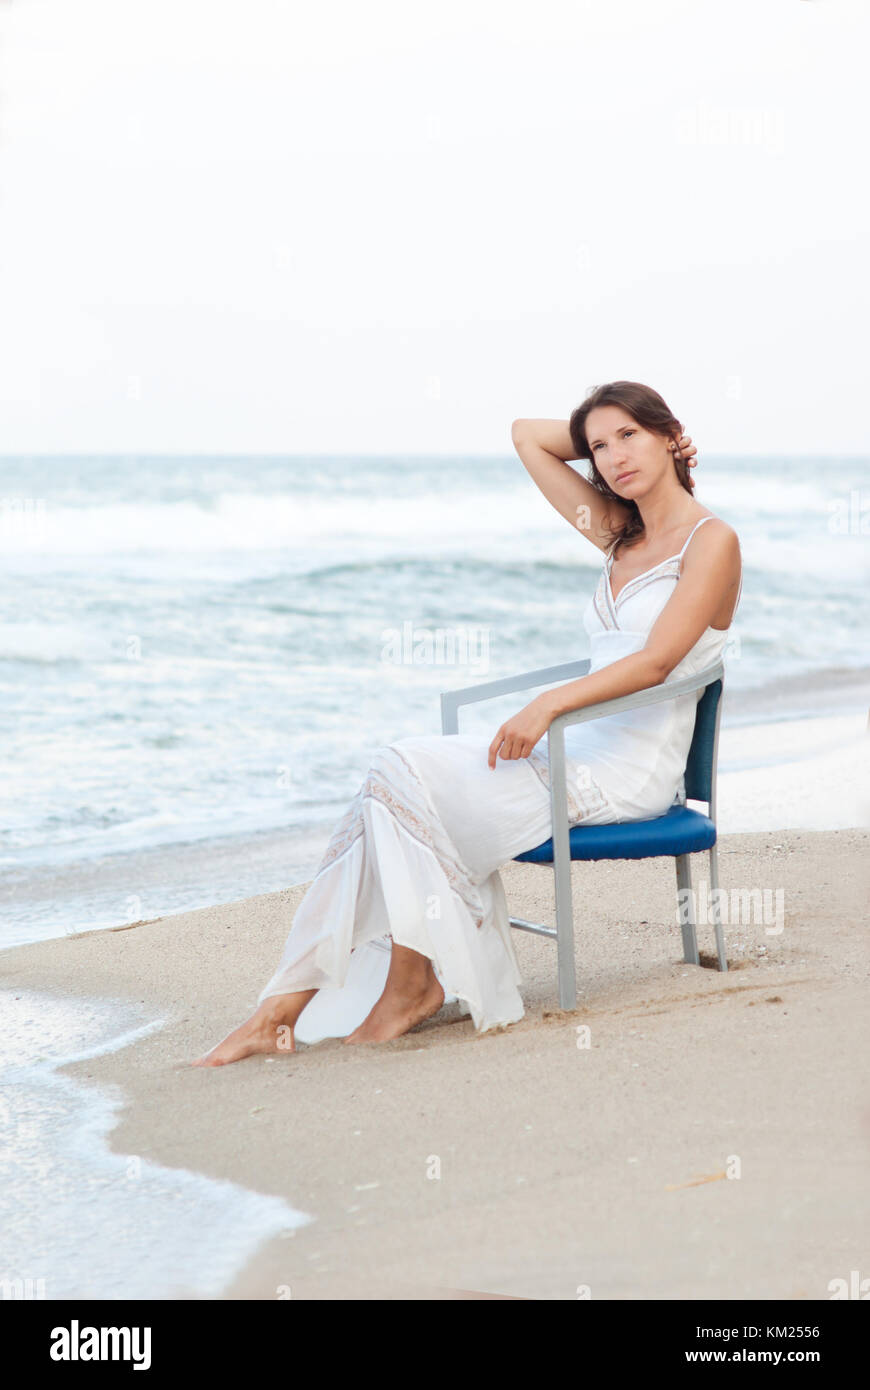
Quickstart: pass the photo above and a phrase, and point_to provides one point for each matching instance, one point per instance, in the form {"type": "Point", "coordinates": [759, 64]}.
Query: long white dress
{"type": "Point", "coordinates": [415, 858]}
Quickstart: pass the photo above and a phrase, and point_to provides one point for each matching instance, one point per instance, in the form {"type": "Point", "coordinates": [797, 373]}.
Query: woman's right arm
{"type": "Point", "coordinates": [544, 447]}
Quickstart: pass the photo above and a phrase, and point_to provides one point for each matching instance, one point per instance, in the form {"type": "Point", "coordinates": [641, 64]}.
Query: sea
{"type": "Point", "coordinates": [198, 655]}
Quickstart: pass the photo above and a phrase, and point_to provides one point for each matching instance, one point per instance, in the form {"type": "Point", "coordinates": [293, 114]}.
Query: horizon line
{"type": "Point", "coordinates": [163, 454]}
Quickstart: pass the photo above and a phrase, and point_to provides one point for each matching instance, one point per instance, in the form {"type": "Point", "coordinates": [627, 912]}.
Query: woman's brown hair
{"type": "Point", "coordinates": [648, 409]}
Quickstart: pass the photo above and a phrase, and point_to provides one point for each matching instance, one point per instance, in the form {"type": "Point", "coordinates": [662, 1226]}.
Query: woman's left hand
{"type": "Point", "coordinates": [688, 452]}
{"type": "Point", "coordinates": [518, 735]}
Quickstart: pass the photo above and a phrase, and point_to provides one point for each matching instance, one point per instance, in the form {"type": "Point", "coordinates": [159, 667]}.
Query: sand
{"type": "Point", "coordinates": [711, 1141]}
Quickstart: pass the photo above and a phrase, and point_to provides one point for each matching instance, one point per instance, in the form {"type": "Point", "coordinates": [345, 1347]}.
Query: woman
{"type": "Point", "coordinates": [407, 905]}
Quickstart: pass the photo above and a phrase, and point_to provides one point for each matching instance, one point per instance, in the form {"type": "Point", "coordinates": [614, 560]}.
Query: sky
{"type": "Point", "coordinates": [338, 228]}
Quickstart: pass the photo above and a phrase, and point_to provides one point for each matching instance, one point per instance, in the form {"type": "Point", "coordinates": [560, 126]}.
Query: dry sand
{"type": "Point", "coordinates": [712, 1141]}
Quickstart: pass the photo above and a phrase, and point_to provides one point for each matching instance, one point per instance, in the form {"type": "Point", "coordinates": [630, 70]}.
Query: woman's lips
{"type": "Point", "coordinates": [622, 477]}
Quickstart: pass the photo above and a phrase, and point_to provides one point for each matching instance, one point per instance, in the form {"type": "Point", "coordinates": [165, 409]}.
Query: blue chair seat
{"type": "Point", "coordinates": [680, 831]}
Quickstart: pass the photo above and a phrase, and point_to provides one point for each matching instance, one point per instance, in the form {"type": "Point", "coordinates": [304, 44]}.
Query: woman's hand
{"type": "Point", "coordinates": [688, 452]}
{"type": "Point", "coordinates": [517, 737]}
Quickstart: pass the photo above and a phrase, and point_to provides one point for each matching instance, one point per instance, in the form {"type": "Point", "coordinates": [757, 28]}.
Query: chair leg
{"type": "Point", "coordinates": [565, 937]}
{"type": "Point", "coordinates": [717, 912]}
{"type": "Point", "coordinates": [686, 910]}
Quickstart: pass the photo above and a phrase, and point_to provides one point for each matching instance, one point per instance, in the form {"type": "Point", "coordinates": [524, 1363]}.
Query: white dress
{"type": "Point", "coordinates": [416, 856]}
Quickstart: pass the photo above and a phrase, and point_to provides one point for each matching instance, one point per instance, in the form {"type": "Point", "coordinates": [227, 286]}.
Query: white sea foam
{"type": "Point", "coordinates": [79, 1220]}
{"type": "Point", "coordinates": [245, 521]}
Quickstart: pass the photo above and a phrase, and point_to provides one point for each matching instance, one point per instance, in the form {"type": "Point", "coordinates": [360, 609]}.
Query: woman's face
{"type": "Point", "coordinates": [620, 447]}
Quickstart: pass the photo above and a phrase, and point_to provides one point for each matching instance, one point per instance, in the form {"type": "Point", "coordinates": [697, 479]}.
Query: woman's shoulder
{"type": "Point", "coordinates": [716, 544]}
{"type": "Point", "coordinates": [719, 528]}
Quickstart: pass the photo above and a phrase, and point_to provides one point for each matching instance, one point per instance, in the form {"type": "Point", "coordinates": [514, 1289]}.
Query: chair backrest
{"type": "Point", "coordinates": [702, 753]}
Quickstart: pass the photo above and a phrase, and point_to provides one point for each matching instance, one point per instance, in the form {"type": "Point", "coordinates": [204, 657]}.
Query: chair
{"type": "Point", "coordinates": [680, 832]}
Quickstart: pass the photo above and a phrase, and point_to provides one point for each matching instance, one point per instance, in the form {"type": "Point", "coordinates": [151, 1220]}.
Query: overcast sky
{"type": "Point", "coordinates": [394, 227]}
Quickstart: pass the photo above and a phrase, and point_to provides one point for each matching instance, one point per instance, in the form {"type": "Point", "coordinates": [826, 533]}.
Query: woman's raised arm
{"type": "Point", "coordinates": [545, 447]}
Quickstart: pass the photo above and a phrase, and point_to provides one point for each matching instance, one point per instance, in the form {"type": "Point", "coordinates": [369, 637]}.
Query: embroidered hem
{"type": "Point", "coordinates": [395, 783]}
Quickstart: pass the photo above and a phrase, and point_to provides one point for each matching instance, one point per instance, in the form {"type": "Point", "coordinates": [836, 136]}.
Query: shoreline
{"type": "Point", "coordinates": [169, 1227]}
{"type": "Point", "coordinates": [559, 1166]}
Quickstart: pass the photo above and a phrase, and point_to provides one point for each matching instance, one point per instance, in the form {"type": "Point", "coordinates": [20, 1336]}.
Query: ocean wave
{"type": "Point", "coordinates": [239, 521]}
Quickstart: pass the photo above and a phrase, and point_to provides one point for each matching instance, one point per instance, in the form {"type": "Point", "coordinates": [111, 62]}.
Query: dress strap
{"type": "Point", "coordinates": [692, 532]}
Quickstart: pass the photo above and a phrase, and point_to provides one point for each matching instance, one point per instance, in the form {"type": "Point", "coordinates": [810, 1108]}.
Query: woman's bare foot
{"type": "Point", "coordinates": [270, 1029]}
{"type": "Point", "coordinates": [412, 993]}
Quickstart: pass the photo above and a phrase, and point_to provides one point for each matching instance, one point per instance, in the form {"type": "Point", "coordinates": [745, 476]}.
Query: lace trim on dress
{"type": "Point", "coordinates": [584, 796]}
{"type": "Point", "coordinates": [640, 581]}
{"type": "Point", "coordinates": [395, 783]}
{"type": "Point", "coordinates": [607, 607]}
{"type": "Point", "coordinates": [602, 607]}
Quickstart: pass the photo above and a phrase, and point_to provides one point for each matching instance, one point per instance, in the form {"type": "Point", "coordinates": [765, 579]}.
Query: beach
{"type": "Point", "coordinates": [684, 1133]}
